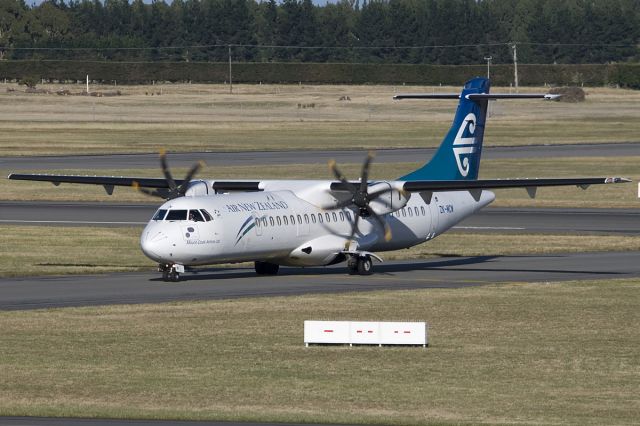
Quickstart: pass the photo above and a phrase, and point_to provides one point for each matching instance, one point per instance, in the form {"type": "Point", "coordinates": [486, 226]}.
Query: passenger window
{"type": "Point", "coordinates": [195, 216]}
{"type": "Point", "coordinates": [286, 221]}
{"type": "Point", "coordinates": [410, 212]}
{"type": "Point", "coordinates": [422, 210]}
{"type": "Point", "coordinates": [258, 222]}
{"type": "Point", "coordinates": [176, 215]}
{"type": "Point", "coordinates": [417, 213]}
{"type": "Point", "coordinates": [326, 215]}
{"type": "Point", "coordinates": [313, 218]}
{"type": "Point", "coordinates": [264, 221]}
{"type": "Point", "coordinates": [279, 221]}
{"type": "Point", "coordinates": [306, 218]}
{"type": "Point", "coordinates": [160, 214]}
{"type": "Point", "coordinates": [293, 220]}
{"type": "Point", "coordinates": [300, 219]}
{"type": "Point", "coordinates": [271, 222]}
{"type": "Point", "coordinates": [349, 216]}
{"type": "Point", "coordinates": [206, 215]}
{"type": "Point", "coordinates": [320, 220]}
{"type": "Point", "coordinates": [341, 217]}
{"type": "Point", "coordinates": [404, 212]}
{"type": "Point", "coordinates": [335, 216]}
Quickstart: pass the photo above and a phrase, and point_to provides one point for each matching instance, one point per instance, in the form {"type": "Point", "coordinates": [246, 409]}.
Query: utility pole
{"type": "Point", "coordinates": [230, 75]}
{"type": "Point", "coordinates": [488, 59]}
{"type": "Point", "coordinates": [514, 46]}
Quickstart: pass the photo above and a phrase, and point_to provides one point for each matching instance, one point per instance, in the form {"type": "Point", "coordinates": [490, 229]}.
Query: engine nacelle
{"type": "Point", "coordinates": [389, 202]}
{"type": "Point", "coordinates": [197, 188]}
{"type": "Point", "coordinates": [317, 252]}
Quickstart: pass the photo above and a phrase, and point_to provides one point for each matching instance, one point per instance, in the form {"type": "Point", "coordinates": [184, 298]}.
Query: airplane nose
{"type": "Point", "coordinates": [153, 244]}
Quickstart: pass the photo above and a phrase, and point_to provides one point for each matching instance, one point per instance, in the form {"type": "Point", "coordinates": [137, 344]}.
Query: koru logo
{"type": "Point", "coordinates": [465, 146]}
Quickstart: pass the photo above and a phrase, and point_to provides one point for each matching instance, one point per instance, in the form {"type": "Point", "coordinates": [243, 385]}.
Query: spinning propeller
{"type": "Point", "coordinates": [174, 190]}
{"type": "Point", "coordinates": [361, 197]}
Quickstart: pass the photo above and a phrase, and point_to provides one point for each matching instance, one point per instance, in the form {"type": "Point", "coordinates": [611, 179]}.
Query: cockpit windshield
{"type": "Point", "coordinates": [159, 214]}
{"type": "Point", "coordinates": [194, 215]}
{"type": "Point", "coordinates": [176, 215]}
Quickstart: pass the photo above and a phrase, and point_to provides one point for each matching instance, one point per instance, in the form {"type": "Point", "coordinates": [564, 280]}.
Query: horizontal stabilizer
{"type": "Point", "coordinates": [477, 96]}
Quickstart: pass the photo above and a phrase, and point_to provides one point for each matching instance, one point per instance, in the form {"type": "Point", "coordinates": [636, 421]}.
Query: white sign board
{"type": "Point", "coordinates": [365, 333]}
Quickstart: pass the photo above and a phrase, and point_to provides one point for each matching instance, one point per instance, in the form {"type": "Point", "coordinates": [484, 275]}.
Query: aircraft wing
{"type": "Point", "coordinates": [466, 185]}
{"type": "Point", "coordinates": [110, 181]}
{"type": "Point", "coordinates": [463, 185]}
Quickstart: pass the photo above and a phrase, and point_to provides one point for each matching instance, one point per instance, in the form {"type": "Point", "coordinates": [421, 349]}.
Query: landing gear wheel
{"type": "Point", "coordinates": [174, 276]}
{"type": "Point", "coordinates": [266, 268]}
{"type": "Point", "coordinates": [169, 272]}
{"type": "Point", "coordinates": [352, 265]}
{"type": "Point", "coordinates": [365, 266]}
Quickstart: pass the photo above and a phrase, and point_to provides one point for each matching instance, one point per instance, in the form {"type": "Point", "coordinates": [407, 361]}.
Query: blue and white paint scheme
{"type": "Point", "coordinates": [323, 222]}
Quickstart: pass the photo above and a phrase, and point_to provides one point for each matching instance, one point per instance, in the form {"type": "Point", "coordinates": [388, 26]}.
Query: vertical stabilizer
{"type": "Point", "coordinates": [458, 157]}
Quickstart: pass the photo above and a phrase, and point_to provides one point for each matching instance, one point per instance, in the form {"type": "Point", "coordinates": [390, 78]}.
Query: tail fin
{"type": "Point", "coordinates": [458, 157]}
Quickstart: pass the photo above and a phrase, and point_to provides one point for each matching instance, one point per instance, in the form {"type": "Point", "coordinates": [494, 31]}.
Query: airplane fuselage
{"type": "Point", "coordinates": [283, 228]}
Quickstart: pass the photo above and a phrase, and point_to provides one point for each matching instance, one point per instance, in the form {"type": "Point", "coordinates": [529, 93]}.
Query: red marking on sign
{"type": "Point", "coordinates": [370, 331]}
{"type": "Point", "coordinates": [359, 331]}
{"type": "Point", "coordinates": [407, 332]}
{"type": "Point", "coordinates": [328, 331]}
{"type": "Point", "coordinates": [396, 331]}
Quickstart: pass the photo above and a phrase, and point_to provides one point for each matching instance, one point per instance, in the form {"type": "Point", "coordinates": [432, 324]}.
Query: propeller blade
{"type": "Point", "coordinates": [364, 176]}
{"type": "Point", "coordinates": [145, 191]}
{"type": "Point", "coordinates": [338, 174]}
{"type": "Point", "coordinates": [166, 171]}
{"type": "Point", "coordinates": [354, 227]}
{"type": "Point", "coordinates": [383, 224]}
{"type": "Point", "coordinates": [376, 194]}
{"type": "Point", "coordinates": [192, 172]}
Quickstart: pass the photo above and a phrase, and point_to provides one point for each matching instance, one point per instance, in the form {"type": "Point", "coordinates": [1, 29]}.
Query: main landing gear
{"type": "Point", "coordinates": [170, 273]}
{"type": "Point", "coordinates": [360, 265]}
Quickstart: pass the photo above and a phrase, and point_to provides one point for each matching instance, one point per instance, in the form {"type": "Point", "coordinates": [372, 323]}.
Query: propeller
{"type": "Point", "coordinates": [361, 197]}
{"type": "Point", "coordinates": [174, 190]}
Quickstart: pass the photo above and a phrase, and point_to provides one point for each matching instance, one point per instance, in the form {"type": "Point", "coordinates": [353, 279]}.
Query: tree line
{"type": "Point", "coordinates": [440, 32]}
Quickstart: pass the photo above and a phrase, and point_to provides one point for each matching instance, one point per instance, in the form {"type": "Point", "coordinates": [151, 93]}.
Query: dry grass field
{"type": "Point", "coordinates": [538, 353]}
{"type": "Point", "coordinates": [185, 117]}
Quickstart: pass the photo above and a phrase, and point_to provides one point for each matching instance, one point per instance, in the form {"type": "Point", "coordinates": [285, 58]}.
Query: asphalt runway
{"type": "Point", "coordinates": [509, 220]}
{"type": "Point", "coordinates": [224, 283]}
{"type": "Point", "coordinates": [255, 158]}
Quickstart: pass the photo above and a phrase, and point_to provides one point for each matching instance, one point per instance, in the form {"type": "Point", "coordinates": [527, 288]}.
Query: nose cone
{"type": "Point", "coordinates": [155, 243]}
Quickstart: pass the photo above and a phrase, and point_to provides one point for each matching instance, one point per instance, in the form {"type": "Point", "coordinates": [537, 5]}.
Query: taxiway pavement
{"type": "Point", "coordinates": [256, 158]}
{"type": "Point", "coordinates": [224, 283]}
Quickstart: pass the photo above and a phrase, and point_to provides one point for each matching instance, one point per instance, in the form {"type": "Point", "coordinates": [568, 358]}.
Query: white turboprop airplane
{"type": "Point", "coordinates": [322, 222]}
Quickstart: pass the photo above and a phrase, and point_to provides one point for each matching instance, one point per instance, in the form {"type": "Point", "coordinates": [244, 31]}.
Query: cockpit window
{"type": "Point", "coordinates": [195, 216]}
{"type": "Point", "coordinates": [206, 215]}
{"type": "Point", "coordinates": [176, 215]}
{"type": "Point", "coordinates": [159, 214]}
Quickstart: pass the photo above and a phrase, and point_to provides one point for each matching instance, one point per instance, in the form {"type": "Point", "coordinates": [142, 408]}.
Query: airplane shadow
{"type": "Point", "coordinates": [467, 263]}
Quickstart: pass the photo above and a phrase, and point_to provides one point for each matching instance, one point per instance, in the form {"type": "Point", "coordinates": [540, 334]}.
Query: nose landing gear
{"type": "Point", "coordinates": [171, 273]}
